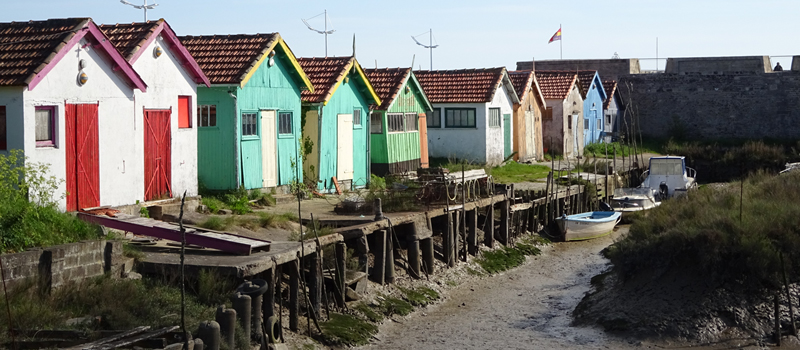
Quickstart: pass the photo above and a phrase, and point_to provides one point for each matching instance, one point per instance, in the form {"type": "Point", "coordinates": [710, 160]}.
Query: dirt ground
{"type": "Point", "coordinates": [529, 307]}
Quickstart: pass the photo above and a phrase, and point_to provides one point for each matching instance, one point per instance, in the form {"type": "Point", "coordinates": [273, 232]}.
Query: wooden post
{"type": "Point", "coordinates": [268, 305]}
{"type": "Point", "coordinates": [413, 258]}
{"type": "Point", "coordinates": [472, 232]}
{"type": "Point", "coordinates": [294, 292]}
{"type": "Point", "coordinates": [389, 265]}
{"type": "Point", "coordinates": [456, 236]}
{"type": "Point", "coordinates": [315, 281]}
{"type": "Point", "coordinates": [379, 263]}
{"type": "Point", "coordinates": [504, 208]}
{"type": "Point", "coordinates": [447, 242]}
{"type": "Point", "coordinates": [426, 246]}
{"type": "Point", "coordinates": [488, 236]}
{"type": "Point", "coordinates": [341, 272]}
{"type": "Point", "coordinates": [777, 320]}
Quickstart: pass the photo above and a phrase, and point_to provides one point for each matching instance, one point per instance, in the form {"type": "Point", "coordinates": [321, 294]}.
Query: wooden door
{"type": "Point", "coordinates": [269, 150]}
{"type": "Point", "coordinates": [157, 154]}
{"type": "Point", "coordinates": [344, 147]}
{"type": "Point", "coordinates": [506, 135]}
{"type": "Point", "coordinates": [423, 140]}
{"type": "Point", "coordinates": [251, 150]}
{"type": "Point", "coordinates": [529, 136]}
{"type": "Point", "coordinates": [82, 156]}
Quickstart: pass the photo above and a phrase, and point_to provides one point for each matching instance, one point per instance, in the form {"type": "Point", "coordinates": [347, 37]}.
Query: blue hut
{"type": "Point", "coordinates": [593, 97]}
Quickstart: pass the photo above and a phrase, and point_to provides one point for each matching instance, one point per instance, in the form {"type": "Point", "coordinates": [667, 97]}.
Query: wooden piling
{"type": "Point", "coordinates": [777, 319]}
{"type": "Point", "coordinates": [488, 236]}
{"type": "Point", "coordinates": [472, 232]}
{"type": "Point", "coordinates": [340, 250]}
{"type": "Point", "coordinates": [457, 226]}
{"type": "Point", "coordinates": [447, 241]}
{"type": "Point", "coordinates": [294, 293]}
{"type": "Point", "coordinates": [315, 281]}
{"type": "Point", "coordinates": [389, 265]}
{"type": "Point", "coordinates": [379, 263]}
{"type": "Point", "coordinates": [413, 258]}
{"type": "Point", "coordinates": [504, 208]}
{"type": "Point", "coordinates": [426, 247]}
{"type": "Point", "coordinates": [268, 305]}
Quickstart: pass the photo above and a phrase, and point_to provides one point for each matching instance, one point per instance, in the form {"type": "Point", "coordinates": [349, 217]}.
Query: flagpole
{"type": "Point", "coordinates": [560, 43]}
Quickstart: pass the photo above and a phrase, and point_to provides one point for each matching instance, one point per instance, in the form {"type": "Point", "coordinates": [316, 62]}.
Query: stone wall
{"type": "Point", "coordinates": [697, 106]}
{"type": "Point", "coordinates": [608, 69]}
{"type": "Point", "coordinates": [719, 65]}
{"type": "Point", "coordinates": [57, 265]}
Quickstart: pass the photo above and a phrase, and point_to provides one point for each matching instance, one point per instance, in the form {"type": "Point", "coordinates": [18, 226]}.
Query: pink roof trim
{"type": "Point", "coordinates": [135, 81]}
{"type": "Point", "coordinates": [185, 58]}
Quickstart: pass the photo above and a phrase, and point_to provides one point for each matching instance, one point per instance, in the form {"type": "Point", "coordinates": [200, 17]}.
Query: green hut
{"type": "Point", "coordinates": [335, 122]}
{"type": "Point", "coordinates": [398, 135]}
{"type": "Point", "coordinates": [249, 119]}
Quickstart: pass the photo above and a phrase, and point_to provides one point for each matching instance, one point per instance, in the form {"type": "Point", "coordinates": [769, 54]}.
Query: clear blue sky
{"type": "Point", "coordinates": [471, 34]}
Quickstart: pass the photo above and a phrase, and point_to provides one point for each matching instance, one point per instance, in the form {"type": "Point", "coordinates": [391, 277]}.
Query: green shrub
{"type": "Point", "coordinates": [376, 182]}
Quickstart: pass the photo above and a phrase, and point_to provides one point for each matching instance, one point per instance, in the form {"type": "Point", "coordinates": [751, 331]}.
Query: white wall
{"type": "Point", "coordinates": [11, 98]}
{"type": "Point", "coordinates": [119, 184]}
{"type": "Point", "coordinates": [166, 79]}
{"type": "Point", "coordinates": [495, 141]}
{"type": "Point", "coordinates": [462, 143]}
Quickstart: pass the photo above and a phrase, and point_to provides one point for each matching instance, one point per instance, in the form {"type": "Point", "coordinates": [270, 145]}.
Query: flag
{"type": "Point", "coordinates": [556, 36]}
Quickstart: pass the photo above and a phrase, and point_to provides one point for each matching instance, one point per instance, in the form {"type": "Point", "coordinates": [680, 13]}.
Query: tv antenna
{"type": "Point", "coordinates": [144, 7]}
{"type": "Point", "coordinates": [325, 32]}
{"type": "Point", "coordinates": [430, 46]}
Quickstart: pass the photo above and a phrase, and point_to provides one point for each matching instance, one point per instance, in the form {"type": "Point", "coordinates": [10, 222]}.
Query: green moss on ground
{"type": "Point", "coordinates": [347, 330]}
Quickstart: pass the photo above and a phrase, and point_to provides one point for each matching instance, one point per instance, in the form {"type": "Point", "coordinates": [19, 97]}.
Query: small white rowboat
{"type": "Point", "coordinates": [588, 225]}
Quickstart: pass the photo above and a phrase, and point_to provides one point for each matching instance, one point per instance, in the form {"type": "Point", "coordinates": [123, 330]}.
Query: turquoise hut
{"type": "Point", "coordinates": [336, 123]}
{"type": "Point", "coordinates": [249, 119]}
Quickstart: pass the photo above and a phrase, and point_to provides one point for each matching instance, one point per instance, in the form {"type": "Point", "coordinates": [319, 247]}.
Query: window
{"type": "Point", "coordinates": [285, 123]}
{"type": "Point", "coordinates": [3, 137]}
{"type": "Point", "coordinates": [459, 117]}
{"type": "Point", "coordinates": [608, 118]}
{"type": "Point", "coordinates": [206, 115]}
{"type": "Point", "coordinates": [45, 126]}
{"type": "Point", "coordinates": [249, 124]}
{"type": "Point", "coordinates": [184, 112]}
{"type": "Point", "coordinates": [357, 117]}
{"type": "Point", "coordinates": [435, 119]}
{"type": "Point", "coordinates": [599, 124]}
{"type": "Point", "coordinates": [376, 123]}
{"type": "Point", "coordinates": [411, 121]}
{"type": "Point", "coordinates": [574, 119]}
{"type": "Point", "coordinates": [548, 113]}
{"type": "Point", "coordinates": [585, 123]}
{"type": "Point", "coordinates": [394, 122]}
{"type": "Point", "coordinates": [494, 117]}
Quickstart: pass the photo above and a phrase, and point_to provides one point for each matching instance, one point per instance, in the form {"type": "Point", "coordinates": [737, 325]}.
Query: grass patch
{"type": "Point", "coordinates": [267, 220]}
{"type": "Point", "coordinates": [369, 312]}
{"type": "Point", "coordinates": [419, 296]}
{"type": "Point", "coordinates": [347, 330]}
{"type": "Point", "coordinates": [217, 223]}
{"type": "Point", "coordinates": [599, 150]}
{"type": "Point", "coordinates": [507, 258]}
{"type": "Point", "coordinates": [120, 304]}
{"type": "Point", "coordinates": [454, 164]}
{"type": "Point", "coordinates": [451, 283]}
{"type": "Point", "coordinates": [474, 272]}
{"type": "Point", "coordinates": [133, 252]}
{"type": "Point", "coordinates": [237, 201]}
{"type": "Point", "coordinates": [703, 235]}
{"type": "Point", "coordinates": [395, 306]}
{"type": "Point", "coordinates": [513, 172]}
{"type": "Point", "coordinates": [211, 288]}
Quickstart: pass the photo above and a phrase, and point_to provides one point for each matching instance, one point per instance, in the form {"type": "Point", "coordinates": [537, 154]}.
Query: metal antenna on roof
{"type": "Point", "coordinates": [431, 46]}
{"type": "Point", "coordinates": [144, 7]}
{"type": "Point", "coordinates": [325, 32]}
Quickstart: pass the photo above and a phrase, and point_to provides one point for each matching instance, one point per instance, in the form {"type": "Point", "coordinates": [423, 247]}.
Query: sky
{"type": "Point", "coordinates": [471, 34]}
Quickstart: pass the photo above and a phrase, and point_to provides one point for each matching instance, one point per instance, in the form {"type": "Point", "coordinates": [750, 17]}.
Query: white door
{"type": "Point", "coordinates": [530, 133]}
{"type": "Point", "coordinates": [344, 147]}
{"type": "Point", "coordinates": [269, 150]}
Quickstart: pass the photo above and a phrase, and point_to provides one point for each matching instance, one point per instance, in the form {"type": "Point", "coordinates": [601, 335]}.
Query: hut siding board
{"type": "Point", "coordinates": [346, 98]}
{"type": "Point", "coordinates": [166, 81]}
{"type": "Point", "coordinates": [216, 146]}
{"type": "Point", "coordinates": [556, 132]}
{"type": "Point", "coordinates": [378, 149]}
{"type": "Point", "coordinates": [403, 147]}
{"type": "Point", "coordinates": [521, 132]}
{"type": "Point", "coordinates": [272, 88]}
{"type": "Point", "coordinates": [12, 98]}
{"type": "Point", "coordinates": [119, 159]}
{"type": "Point", "coordinates": [481, 144]}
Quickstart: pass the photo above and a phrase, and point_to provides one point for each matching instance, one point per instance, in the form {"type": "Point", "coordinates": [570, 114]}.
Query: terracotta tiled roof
{"type": "Point", "coordinates": [610, 86]}
{"type": "Point", "coordinates": [226, 59]}
{"type": "Point", "coordinates": [522, 80]}
{"type": "Point", "coordinates": [323, 72]}
{"type": "Point", "coordinates": [27, 47]}
{"type": "Point", "coordinates": [387, 83]}
{"type": "Point", "coordinates": [460, 86]}
{"type": "Point", "coordinates": [129, 38]}
{"type": "Point", "coordinates": [556, 84]}
{"type": "Point", "coordinates": [585, 79]}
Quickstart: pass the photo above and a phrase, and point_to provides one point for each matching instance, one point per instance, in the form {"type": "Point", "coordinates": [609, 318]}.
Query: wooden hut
{"type": "Point", "coordinates": [398, 137]}
{"type": "Point", "coordinates": [527, 116]}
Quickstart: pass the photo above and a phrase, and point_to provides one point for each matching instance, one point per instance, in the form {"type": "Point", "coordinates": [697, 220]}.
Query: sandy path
{"type": "Point", "coordinates": [527, 308]}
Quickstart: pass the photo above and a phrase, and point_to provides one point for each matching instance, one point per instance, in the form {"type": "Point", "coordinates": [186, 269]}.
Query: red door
{"type": "Point", "coordinates": [157, 155]}
{"type": "Point", "coordinates": [423, 141]}
{"type": "Point", "coordinates": [83, 167]}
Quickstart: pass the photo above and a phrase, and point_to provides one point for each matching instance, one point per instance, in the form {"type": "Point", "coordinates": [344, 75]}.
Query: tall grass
{"type": "Point", "coordinates": [703, 234]}
{"type": "Point", "coordinates": [600, 149]}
